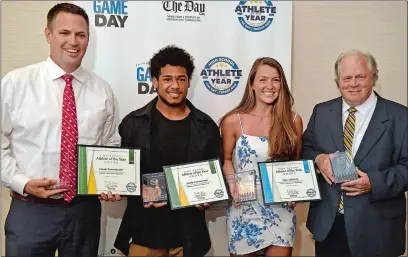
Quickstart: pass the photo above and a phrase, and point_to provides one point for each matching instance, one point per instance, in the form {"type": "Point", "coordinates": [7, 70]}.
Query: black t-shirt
{"type": "Point", "coordinates": [169, 142]}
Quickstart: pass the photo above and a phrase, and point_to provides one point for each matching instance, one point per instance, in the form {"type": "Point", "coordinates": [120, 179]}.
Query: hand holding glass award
{"type": "Point", "coordinates": [343, 167]}
{"type": "Point", "coordinates": [245, 186]}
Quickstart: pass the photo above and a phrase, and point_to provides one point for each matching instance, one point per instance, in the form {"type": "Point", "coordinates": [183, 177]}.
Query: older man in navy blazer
{"type": "Point", "coordinates": [365, 216]}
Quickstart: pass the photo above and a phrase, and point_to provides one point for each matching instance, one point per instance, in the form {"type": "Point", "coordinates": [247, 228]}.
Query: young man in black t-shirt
{"type": "Point", "coordinates": [168, 130]}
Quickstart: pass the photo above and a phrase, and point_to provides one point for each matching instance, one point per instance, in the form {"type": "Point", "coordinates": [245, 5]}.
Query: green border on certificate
{"type": "Point", "coordinates": [103, 169]}
{"type": "Point", "coordinates": [195, 183]}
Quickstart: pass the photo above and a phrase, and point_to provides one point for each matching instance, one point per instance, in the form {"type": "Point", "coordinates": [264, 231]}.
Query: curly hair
{"type": "Point", "coordinates": [174, 56]}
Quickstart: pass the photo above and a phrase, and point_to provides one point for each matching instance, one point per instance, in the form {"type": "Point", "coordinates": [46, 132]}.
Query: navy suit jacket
{"type": "Point", "coordinates": [375, 221]}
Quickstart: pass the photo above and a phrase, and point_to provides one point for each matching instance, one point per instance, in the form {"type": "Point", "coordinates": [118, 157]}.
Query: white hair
{"type": "Point", "coordinates": [372, 64]}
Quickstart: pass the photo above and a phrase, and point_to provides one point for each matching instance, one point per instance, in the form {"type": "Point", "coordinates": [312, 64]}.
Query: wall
{"type": "Point", "coordinates": [321, 30]}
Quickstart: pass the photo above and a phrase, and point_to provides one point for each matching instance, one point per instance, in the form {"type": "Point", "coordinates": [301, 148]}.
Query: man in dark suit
{"type": "Point", "coordinates": [365, 216]}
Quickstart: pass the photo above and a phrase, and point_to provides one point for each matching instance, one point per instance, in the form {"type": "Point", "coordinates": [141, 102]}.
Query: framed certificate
{"type": "Point", "coordinates": [288, 181]}
{"type": "Point", "coordinates": [103, 169]}
{"type": "Point", "coordinates": [195, 183]}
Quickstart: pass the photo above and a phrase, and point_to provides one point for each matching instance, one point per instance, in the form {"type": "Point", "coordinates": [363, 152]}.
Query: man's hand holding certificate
{"type": "Point", "coordinates": [108, 170]}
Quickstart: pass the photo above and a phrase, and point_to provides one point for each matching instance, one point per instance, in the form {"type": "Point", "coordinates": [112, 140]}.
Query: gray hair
{"type": "Point", "coordinates": [372, 64]}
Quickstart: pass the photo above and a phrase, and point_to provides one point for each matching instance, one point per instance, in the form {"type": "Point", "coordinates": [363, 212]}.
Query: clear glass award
{"type": "Point", "coordinates": [61, 184]}
{"type": "Point", "coordinates": [343, 167]}
{"type": "Point", "coordinates": [245, 186]}
{"type": "Point", "coordinates": [154, 188]}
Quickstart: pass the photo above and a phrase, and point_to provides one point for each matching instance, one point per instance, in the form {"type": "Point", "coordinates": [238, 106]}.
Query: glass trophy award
{"type": "Point", "coordinates": [60, 184]}
{"type": "Point", "coordinates": [245, 186]}
{"type": "Point", "coordinates": [343, 167]}
{"type": "Point", "coordinates": [154, 188]}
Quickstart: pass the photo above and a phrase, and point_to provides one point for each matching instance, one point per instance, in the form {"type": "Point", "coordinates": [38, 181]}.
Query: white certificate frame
{"type": "Point", "coordinates": [272, 180]}
{"type": "Point", "coordinates": [180, 196]}
{"type": "Point", "coordinates": [120, 170]}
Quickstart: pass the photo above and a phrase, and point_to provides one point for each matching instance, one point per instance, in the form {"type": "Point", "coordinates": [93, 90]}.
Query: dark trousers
{"type": "Point", "coordinates": [38, 229]}
{"type": "Point", "coordinates": [335, 244]}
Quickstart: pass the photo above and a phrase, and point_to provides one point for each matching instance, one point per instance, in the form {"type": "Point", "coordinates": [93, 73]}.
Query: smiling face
{"type": "Point", "coordinates": [68, 38]}
{"type": "Point", "coordinates": [172, 85]}
{"type": "Point", "coordinates": [267, 84]}
{"type": "Point", "coordinates": [355, 80]}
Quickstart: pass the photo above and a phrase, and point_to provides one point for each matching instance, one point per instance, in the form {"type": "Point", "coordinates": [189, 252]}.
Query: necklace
{"type": "Point", "coordinates": [263, 118]}
{"type": "Point", "coordinates": [256, 115]}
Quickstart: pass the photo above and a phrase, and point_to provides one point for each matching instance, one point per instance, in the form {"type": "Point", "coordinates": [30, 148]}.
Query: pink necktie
{"type": "Point", "coordinates": [69, 140]}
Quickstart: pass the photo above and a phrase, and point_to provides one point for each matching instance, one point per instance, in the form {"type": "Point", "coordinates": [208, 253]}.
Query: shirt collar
{"type": "Point", "coordinates": [56, 71]}
{"type": "Point", "coordinates": [364, 107]}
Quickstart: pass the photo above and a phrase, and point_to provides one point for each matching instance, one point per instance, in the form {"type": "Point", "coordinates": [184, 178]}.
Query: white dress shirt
{"type": "Point", "coordinates": [31, 108]}
{"type": "Point", "coordinates": [363, 116]}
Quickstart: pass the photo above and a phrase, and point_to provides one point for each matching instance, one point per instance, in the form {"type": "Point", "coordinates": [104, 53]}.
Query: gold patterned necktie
{"type": "Point", "coordinates": [348, 135]}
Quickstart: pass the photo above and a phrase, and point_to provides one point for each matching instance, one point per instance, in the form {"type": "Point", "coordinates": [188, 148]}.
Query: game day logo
{"type": "Point", "coordinates": [144, 79]}
{"type": "Point", "coordinates": [110, 13]}
{"type": "Point", "coordinates": [221, 75]}
{"type": "Point", "coordinates": [255, 16]}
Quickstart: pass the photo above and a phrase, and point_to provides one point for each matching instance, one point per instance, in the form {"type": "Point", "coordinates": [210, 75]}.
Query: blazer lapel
{"type": "Point", "coordinates": [335, 123]}
{"type": "Point", "coordinates": [375, 129]}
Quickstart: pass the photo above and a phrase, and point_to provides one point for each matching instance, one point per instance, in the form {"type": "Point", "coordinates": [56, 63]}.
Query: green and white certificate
{"type": "Point", "coordinates": [108, 169]}
{"type": "Point", "coordinates": [289, 181]}
{"type": "Point", "coordinates": [195, 183]}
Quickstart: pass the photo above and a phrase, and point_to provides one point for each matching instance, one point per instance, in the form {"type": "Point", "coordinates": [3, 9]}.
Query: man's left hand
{"type": "Point", "coordinates": [358, 186]}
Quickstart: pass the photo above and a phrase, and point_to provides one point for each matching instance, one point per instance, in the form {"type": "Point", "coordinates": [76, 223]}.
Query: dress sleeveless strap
{"type": "Point", "coordinates": [240, 123]}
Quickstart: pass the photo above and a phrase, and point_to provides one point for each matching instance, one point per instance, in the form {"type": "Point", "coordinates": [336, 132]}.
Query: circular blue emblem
{"type": "Point", "coordinates": [221, 75]}
{"type": "Point", "coordinates": [255, 16]}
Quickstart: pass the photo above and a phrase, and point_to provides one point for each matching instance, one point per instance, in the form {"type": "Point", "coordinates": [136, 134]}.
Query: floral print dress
{"type": "Point", "coordinates": [253, 225]}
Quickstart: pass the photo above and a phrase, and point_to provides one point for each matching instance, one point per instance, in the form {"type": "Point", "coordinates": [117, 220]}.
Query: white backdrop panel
{"type": "Point", "coordinates": [206, 29]}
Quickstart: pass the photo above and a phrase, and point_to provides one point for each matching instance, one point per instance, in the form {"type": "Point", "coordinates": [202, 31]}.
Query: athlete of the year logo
{"type": "Point", "coordinates": [255, 16]}
{"type": "Point", "coordinates": [221, 75]}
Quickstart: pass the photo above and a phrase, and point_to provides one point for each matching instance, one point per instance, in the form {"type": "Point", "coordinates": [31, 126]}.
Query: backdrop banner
{"type": "Point", "coordinates": [224, 37]}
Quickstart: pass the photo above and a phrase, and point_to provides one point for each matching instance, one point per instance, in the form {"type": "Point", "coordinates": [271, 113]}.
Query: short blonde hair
{"type": "Point", "coordinates": [372, 64]}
